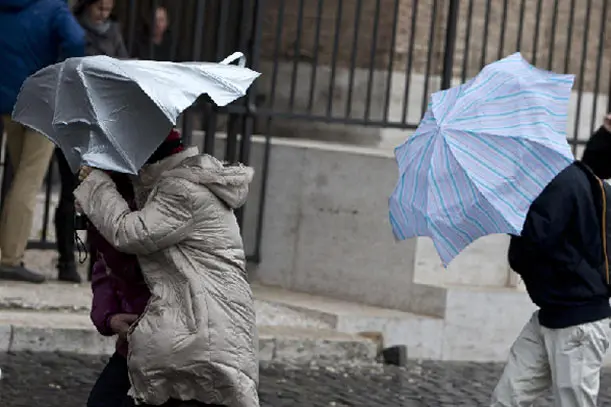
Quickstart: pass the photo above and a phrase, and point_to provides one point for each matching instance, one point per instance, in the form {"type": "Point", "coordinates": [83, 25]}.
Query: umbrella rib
{"type": "Point", "coordinates": [521, 141]}
{"type": "Point", "coordinates": [458, 192]}
{"type": "Point", "coordinates": [398, 193]}
{"type": "Point", "coordinates": [438, 150]}
{"type": "Point", "coordinates": [540, 141]}
{"type": "Point", "coordinates": [117, 147]}
{"type": "Point", "coordinates": [491, 190]}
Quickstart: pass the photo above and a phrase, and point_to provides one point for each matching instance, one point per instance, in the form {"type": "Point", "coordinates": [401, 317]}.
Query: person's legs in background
{"type": "Point", "coordinates": [29, 154]}
{"type": "Point", "coordinates": [64, 222]}
{"type": "Point", "coordinates": [110, 390]}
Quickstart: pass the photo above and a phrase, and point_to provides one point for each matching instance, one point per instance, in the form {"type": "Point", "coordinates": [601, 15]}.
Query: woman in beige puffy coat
{"type": "Point", "coordinates": [197, 339]}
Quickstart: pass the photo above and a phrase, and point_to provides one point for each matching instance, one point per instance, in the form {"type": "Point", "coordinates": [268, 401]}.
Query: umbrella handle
{"type": "Point", "coordinates": [233, 57]}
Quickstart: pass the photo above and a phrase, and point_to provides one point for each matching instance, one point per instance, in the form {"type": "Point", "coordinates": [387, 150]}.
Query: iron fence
{"type": "Point", "coordinates": [364, 63]}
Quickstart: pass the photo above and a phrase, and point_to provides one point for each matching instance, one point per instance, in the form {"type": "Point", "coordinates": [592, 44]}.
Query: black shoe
{"type": "Point", "coordinates": [68, 273]}
{"type": "Point", "coordinates": [20, 273]}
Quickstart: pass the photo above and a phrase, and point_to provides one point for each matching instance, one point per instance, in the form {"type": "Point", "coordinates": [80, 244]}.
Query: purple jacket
{"type": "Point", "coordinates": [117, 282]}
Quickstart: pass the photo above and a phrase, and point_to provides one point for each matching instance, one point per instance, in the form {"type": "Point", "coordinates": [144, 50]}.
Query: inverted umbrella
{"type": "Point", "coordinates": [112, 114]}
{"type": "Point", "coordinates": [481, 155]}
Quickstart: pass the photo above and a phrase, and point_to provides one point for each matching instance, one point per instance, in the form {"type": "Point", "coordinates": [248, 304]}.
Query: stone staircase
{"type": "Point", "coordinates": [54, 317]}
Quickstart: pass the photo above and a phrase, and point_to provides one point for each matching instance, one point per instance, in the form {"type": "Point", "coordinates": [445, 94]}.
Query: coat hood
{"type": "Point", "coordinates": [597, 153]}
{"type": "Point", "coordinates": [15, 5]}
{"type": "Point", "coordinates": [229, 183]}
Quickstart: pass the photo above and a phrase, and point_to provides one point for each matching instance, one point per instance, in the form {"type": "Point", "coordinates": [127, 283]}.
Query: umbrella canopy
{"type": "Point", "coordinates": [112, 114]}
{"type": "Point", "coordinates": [481, 155]}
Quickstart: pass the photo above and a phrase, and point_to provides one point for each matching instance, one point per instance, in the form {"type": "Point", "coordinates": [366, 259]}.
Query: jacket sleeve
{"type": "Point", "coordinates": [164, 220]}
{"type": "Point", "coordinates": [97, 241]}
{"type": "Point", "coordinates": [551, 212]}
{"type": "Point", "coordinates": [69, 32]}
{"type": "Point", "coordinates": [105, 301]}
{"type": "Point", "coordinates": [597, 152]}
{"type": "Point", "coordinates": [121, 50]}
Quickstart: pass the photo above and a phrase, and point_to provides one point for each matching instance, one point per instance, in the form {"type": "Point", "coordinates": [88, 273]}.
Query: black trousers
{"type": "Point", "coordinates": [64, 214]}
{"type": "Point", "coordinates": [110, 390]}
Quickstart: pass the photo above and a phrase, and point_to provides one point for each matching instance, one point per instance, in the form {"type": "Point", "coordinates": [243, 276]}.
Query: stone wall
{"type": "Point", "coordinates": [484, 44]}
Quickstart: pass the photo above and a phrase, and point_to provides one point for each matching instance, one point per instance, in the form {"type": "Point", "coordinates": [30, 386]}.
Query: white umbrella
{"type": "Point", "coordinates": [112, 114]}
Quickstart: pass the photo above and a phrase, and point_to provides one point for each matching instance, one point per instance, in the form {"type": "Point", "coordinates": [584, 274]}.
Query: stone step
{"type": "Point", "coordinates": [481, 323]}
{"type": "Point", "coordinates": [56, 331]}
{"type": "Point", "coordinates": [422, 335]}
{"type": "Point", "coordinates": [70, 298]}
{"type": "Point", "coordinates": [287, 310]}
{"type": "Point", "coordinates": [478, 324]}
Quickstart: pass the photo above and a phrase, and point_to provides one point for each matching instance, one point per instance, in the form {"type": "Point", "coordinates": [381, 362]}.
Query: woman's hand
{"type": "Point", "coordinates": [84, 172]}
{"type": "Point", "coordinates": [607, 122]}
{"type": "Point", "coordinates": [120, 323]}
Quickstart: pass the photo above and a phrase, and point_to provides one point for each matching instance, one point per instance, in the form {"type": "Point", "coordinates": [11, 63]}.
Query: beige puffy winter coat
{"type": "Point", "coordinates": [197, 338]}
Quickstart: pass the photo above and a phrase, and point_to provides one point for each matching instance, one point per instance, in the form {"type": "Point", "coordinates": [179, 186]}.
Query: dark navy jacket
{"type": "Point", "coordinates": [33, 34]}
{"type": "Point", "coordinates": [560, 252]}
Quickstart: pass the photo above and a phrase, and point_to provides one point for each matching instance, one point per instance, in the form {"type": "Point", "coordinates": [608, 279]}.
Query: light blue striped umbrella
{"type": "Point", "coordinates": [481, 155]}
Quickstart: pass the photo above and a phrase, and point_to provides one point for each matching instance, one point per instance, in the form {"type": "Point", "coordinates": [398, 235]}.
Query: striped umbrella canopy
{"type": "Point", "coordinates": [482, 153]}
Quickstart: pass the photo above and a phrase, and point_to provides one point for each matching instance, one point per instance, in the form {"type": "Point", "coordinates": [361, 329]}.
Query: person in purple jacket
{"type": "Point", "coordinates": [120, 295]}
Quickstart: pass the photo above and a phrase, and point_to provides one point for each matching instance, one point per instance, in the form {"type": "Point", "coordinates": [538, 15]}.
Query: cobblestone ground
{"type": "Point", "coordinates": [63, 380]}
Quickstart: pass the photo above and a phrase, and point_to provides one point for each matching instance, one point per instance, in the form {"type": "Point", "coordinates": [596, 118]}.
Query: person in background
{"type": "Point", "coordinates": [196, 341]}
{"type": "Point", "coordinates": [103, 34]}
{"type": "Point", "coordinates": [120, 295]}
{"type": "Point", "coordinates": [562, 257]}
{"type": "Point", "coordinates": [103, 37]}
{"type": "Point", "coordinates": [160, 37]}
{"type": "Point", "coordinates": [33, 35]}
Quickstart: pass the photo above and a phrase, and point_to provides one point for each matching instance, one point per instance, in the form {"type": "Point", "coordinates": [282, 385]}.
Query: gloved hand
{"type": "Point", "coordinates": [84, 172]}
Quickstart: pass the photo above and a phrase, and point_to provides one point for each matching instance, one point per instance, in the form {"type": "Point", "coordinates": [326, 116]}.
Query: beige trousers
{"type": "Point", "coordinates": [566, 360]}
{"type": "Point", "coordinates": [30, 153]}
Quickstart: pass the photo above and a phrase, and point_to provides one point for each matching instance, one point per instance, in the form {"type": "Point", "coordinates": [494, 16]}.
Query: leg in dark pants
{"type": "Point", "coordinates": [110, 390]}
{"type": "Point", "coordinates": [129, 402]}
{"type": "Point", "coordinates": [64, 222]}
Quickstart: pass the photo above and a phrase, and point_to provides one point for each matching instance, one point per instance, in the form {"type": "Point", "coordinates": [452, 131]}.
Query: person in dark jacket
{"type": "Point", "coordinates": [120, 295]}
{"type": "Point", "coordinates": [103, 37]}
{"type": "Point", "coordinates": [156, 44]}
{"type": "Point", "coordinates": [103, 34]}
{"type": "Point", "coordinates": [33, 35]}
{"type": "Point", "coordinates": [562, 259]}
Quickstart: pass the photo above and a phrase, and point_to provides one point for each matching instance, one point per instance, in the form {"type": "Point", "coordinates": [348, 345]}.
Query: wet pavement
{"type": "Point", "coordinates": [64, 380]}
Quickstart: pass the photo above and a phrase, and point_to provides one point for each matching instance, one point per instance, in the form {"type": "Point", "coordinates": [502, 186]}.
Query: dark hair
{"type": "Point", "coordinates": [597, 153]}
{"type": "Point", "coordinates": [147, 18]}
{"type": "Point", "coordinates": [82, 5]}
{"type": "Point", "coordinates": [166, 149]}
